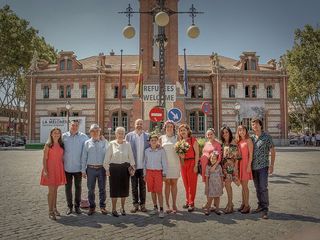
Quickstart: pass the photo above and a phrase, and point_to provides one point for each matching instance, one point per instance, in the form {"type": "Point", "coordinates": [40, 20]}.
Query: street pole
{"type": "Point", "coordinates": [67, 120]}
{"type": "Point", "coordinates": [161, 16]}
{"type": "Point", "coordinates": [109, 131]}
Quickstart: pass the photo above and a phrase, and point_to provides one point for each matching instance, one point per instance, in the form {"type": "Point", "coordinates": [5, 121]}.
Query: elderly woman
{"type": "Point", "coordinates": [189, 167]}
{"type": "Point", "coordinates": [212, 146]}
{"type": "Point", "coordinates": [167, 141]}
{"type": "Point", "coordinates": [119, 164]}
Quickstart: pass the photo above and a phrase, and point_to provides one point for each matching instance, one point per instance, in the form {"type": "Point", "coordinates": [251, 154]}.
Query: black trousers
{"type": "Point", "coordinates": [77, 185]}
{"type": "Point", "coordinates": [138, 187]}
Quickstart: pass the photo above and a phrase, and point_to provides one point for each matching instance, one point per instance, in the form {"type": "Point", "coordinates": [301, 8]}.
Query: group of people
{"type": "Point", "coordinates": [151, 161]}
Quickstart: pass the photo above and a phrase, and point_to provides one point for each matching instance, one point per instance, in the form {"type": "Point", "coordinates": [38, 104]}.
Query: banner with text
{"type": "Point", "coordinates": [47, 123]}
{"type": "Point", "coordinates": [151, 93]}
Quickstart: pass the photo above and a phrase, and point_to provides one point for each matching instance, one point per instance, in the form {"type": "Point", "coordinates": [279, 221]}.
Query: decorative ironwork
{"type": "Point", "coordinates": [161, 39]}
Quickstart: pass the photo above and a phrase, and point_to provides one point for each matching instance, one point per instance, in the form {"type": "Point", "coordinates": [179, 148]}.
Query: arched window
{"type": "Point", "coordinates": [254, 91]}
{"type": "Point", "coordinates": [201, 126]}
{"type": "Point", "coordinates": [269, 92]}
{"type": "Point", "coordinates": [62, 63]}
{"type": "Point", "coordinates": [193, 91]}
{"type": "Point", "coordinates": [116, 92]}
{"type": "Point", "coordinates": [69, 64]}
{"type": "Point", "coordinates": [61, 92]}
{"type": "Point", "coordinates": [84, 91]}
{"type": "Point", "coordinates": [253, 64]}
{"type": "Point", "coordinates": [197, 121]}
{"type": "Point", "coordinates": [245, 67]}
{"type": "Point", "coordinates": [68, 91]}
{"type": "Point", "coordinates": [116, 122]}
{"type": "Point", "coordinates": [247, 91]}
{"type": "Point", "coordinates": [200, 92]}
{"type": "Point", "coordinates": [46, 92]}
{"type": "Point", "coordinates": [232, 91]}
{"type": "Point", "coordinates": [192, 121]}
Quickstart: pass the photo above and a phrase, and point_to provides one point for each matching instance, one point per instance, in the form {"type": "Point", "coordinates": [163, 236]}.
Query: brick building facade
{"type": "Point", "coordinates": [91, 86]}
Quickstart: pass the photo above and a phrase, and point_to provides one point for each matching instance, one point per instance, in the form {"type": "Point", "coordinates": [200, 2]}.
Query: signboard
{"type": "Point", "coordinates": [151, 93]}
{"type": "Point", "coordinates": [174, 115]}
{"type": "Point", "coordinates": [47, 123]}
{"type": "Point", "coordinates": [156, 114]}
{"type": "Point", "coordinates": [205, 107]}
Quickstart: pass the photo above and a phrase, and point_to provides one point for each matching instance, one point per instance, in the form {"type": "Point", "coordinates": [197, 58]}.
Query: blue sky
{"type": "Point", "coordinates": [227, 27]}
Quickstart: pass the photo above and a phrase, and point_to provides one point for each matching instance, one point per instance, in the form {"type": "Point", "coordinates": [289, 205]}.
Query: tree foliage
{"type": "Point", "coordinates": [302, 63]}
{"type": "Point", "coordinates": [19, 43]}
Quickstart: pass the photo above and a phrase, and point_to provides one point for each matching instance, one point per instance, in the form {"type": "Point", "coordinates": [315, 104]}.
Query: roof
{"type": "Point", "coordinates": [131, 62]}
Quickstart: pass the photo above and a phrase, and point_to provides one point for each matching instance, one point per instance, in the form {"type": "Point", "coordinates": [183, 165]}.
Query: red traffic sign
{"type": "Point", "coordinates": [156, 114]}
{"type": "Point", "coordinates": [205, 107]}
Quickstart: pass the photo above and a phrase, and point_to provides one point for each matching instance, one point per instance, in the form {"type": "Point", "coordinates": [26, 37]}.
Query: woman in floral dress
{"type": "Point", "coordinates": [230, 157]}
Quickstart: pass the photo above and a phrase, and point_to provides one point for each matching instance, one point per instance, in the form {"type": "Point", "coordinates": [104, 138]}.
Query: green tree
{"type": "Point", "coordinates": [302, 63]}
{"type": "Point", "coordinates": [19, 43]}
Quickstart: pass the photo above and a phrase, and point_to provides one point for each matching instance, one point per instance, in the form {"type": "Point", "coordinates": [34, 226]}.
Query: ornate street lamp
{"type": "Point", "coordinates": [68, 107]}
{"type": "Point", "coordinates": [161, 16]}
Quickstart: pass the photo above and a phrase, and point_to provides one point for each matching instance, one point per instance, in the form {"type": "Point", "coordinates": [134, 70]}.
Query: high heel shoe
{"type": "Point", "coordinates": [228, 209]}
{"type": "Point", "coordinates": [56, 212]}
{"type": "Point", "coordinates": [245, 210]}
{"type": "Point", "coordinates": [240, 208]}
{"type": "Point", "coordinates": [122, 211]}
{"type": "Point", "coordinates": [52, 216]}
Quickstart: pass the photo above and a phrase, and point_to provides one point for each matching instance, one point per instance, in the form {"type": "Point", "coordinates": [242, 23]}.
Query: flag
{"type": "Point", "coordinates": [120, 79]}
{"type": "Point", "coordinates": [140, 80]}
{"type": "Point", "coordinates": [185, 76]}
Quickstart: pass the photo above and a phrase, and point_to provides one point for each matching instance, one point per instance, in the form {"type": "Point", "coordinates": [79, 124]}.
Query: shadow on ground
{"type": "Point", "coordinates": [139, 220]}
{"type": "Point", "coordinates": [292, 178]}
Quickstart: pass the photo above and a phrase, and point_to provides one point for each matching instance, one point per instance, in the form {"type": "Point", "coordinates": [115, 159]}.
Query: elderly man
{"type": "Point", "coordinates": [262, 145]}
{"type": "Point", "coordinates": [73, 143]}
{"type": "Point", "coordinates": [138, 140]}
{"type": "Point", "coordinates": [92, 159]}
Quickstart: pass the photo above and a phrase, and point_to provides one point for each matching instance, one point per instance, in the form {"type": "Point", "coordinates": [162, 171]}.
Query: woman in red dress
{"type": "Point", "coordinates": [52, 174]}
{"type": "Point", "coordinates": [189, 167]}
{"type": "Point", "coordinates": [245, 173]}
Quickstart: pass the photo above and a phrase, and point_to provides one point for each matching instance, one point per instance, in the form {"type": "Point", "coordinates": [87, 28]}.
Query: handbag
{"type": "Point", "coordinates": [84, 203]}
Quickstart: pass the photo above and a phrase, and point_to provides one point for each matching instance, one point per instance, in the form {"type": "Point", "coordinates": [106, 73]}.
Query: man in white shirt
{"type": "Point", "coordinates": [138, 140]}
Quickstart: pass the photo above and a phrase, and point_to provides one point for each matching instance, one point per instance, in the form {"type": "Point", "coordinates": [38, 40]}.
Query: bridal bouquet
{"type": "Point", "coordinates": [181, 147]}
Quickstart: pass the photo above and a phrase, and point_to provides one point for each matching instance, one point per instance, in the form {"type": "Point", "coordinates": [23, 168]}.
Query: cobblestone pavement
{"type": "Point", "coordinates": [294, 209]}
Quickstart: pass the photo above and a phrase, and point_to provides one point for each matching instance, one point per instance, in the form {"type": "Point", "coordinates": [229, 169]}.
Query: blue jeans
{"type": "Point", "coordinates": [260, 179]}
{"type": "Point", "coordinates": [93, 174]}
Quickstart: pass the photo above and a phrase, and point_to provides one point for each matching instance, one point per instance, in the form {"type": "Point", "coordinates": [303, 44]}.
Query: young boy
{"type": "Point", "coordinates": [155, 169]}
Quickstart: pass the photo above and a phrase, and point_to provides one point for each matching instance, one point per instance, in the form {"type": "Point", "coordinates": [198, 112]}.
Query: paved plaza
{"type": "Point", "coordinates": [294, 210]}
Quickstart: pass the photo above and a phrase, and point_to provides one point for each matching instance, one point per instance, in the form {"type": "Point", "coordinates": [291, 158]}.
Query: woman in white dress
{"type": "Point", "coordinates": [167, 141]}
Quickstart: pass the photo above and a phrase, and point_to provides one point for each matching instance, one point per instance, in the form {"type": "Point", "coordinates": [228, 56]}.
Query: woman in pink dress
{"type": "Point", "coordinates": [245, 173]}
{"type": "Point", "coordinates": [212, 145]}
{"type": "Point", "coordinates": [52, 174]}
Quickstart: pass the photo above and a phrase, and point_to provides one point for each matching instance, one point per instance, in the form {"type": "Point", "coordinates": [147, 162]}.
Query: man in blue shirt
{"type": "Point", "coordinates": [262, 145]}
{"type": "Point", "coordinates": [138, 140]}
{"type": "Point", "coordinates": [73, 143]}
{"type": "Point", "coordinates": [92, 159]}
